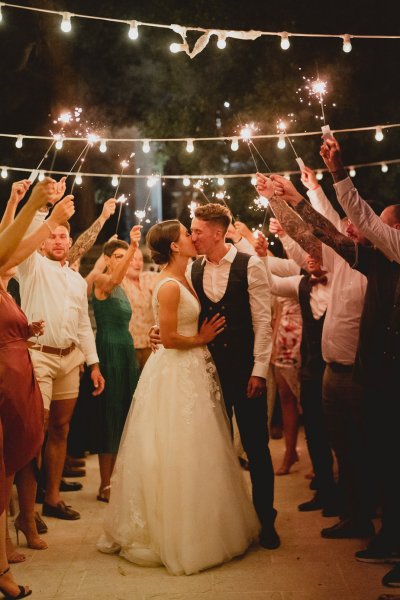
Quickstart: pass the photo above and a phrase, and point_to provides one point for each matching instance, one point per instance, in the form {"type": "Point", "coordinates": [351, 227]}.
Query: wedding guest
{"type": "Point", "coordinates": [117, 356]}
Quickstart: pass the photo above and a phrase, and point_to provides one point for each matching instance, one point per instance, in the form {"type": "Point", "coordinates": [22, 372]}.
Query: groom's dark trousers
{"type": "Point", "coordinates": [232, 352]}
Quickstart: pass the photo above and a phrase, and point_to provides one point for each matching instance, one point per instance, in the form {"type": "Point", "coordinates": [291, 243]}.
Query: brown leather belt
{"type": "Point", "coordinates": [51, 350]}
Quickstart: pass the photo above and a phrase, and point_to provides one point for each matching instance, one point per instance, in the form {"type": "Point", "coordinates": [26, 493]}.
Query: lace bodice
{"type": "Point", "coordinates": [188, 308]}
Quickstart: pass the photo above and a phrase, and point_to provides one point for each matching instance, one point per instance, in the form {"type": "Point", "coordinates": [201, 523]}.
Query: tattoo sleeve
{"type": "Point", "coordinates": [327, 233]}
{"type": "Point", "coordinates": [296, 228]}
{"type": "Point", "coordinates": [85, 241]}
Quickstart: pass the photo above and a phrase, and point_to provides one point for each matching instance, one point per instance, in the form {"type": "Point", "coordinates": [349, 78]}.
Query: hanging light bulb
{"type": "Point", "coordinates": [175, 47]}
{"type": "Point", "coordinates": [189, 146]}
{"type": "Point", "coordinates": [378, 134]}
{"type": "Point", "coordinates": [18, 143]}
{"type": "Point", "coordinates": [146, 146]}
{"type": "Point", "coordinates": [4, 172]}
{"type": "Point", "coordinates": [319, 175]}
{"type": "Point", "coordinates": [384, 168]}
{"type": "Point", "coordinates": [114, 181]}
{"type": "Point", "coordinates": [66, 22]}
{"type": "Point", "coordinates": [103, 146]}
{"type": "Point", "coordinates": [133, 32]}
{"type": "Point", "coordinates": [285, 43]}
{"type": "Point", "coordinates": [59, 143]}
{"type": "Point", "coordinates": [41, 176]}
{"type": "Point", "coordinates": [281, 142]}
{"type": "Point", "coordinates": [352, 172]}
{"type": "Point", "coordinates": [151, 181]}
{"type": "Point", "coordinates": [221, 43]}
{"type": "Point", "coordinates": [234, 144]}
{"type": "Point", "coordinates": [186, 181]}
{"type": "Point", "coordinates": [78, 179]}
{"type": "Point", "coordinates": [253, 180]}
{"type": "Point", "coordinates": [347, 43]}
{"type": "Point", "coordinates": [221, 181]}
{"type": "Point", "coordinates": [1, 14]}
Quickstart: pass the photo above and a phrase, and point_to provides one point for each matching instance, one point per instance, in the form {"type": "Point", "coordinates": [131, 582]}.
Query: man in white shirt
{"type": "Point", "coordinates": [52, 292]}
{"type": "Point", "coordinates": [237, 286]}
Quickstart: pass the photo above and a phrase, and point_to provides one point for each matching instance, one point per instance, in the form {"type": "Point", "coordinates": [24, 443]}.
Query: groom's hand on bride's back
{"type": "Point", "coordinates": [154, 338]}
{"type": "Point", "coordinates": [211, 328]}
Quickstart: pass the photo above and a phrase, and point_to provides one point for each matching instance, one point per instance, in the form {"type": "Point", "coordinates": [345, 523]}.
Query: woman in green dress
{"type": "Point", "coordinates": [116, 353]}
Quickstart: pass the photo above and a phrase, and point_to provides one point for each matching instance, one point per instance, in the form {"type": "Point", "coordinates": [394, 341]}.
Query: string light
{"type": "Point", "coordinates": [285, 43]}
{"type": "Point", "coordinates": [66, 22]}
{"type": "Point", "coordinates": [189, 146]}
{"type": "Point", "coordinates": [175, 48]}
{"type": "Point", "coordinates": [221, 43]}
{"type": "Point", "coordinates": [1, 14]}
{"type": "Point", "coordinates": [234, 144]}
{"type": "Point", "coordinates": [320, 175]}
{"type": "Point", "coordinates": [379, 134]}
{"type": "Point", "coordinates": [384, 168]}
{"type": "Point", "coordinates": [151, 181]}
{"type": "Point", "coordinates": [114, 181]}
{"type": "Point", "coordinates": [347, 43]}
{"type": "Point", "coordinates": [281, 142]}
{"type": "Point", "coordinates": [186, 181]}
{"type": "Point", "coordinates": [4, 172]}
{"type": "Point", "coordinates": [146, 146]}
{"type": "Point", "coordinates": [221, 181]}
{"type": "Point", "coordinates": [133, 32]}
{"type": "Point", "coordinates": [78, 179]}
{"type": "Point", "coordinates": [59, 142]}
{"type": "Point", "coordinates": [103, 146]}
{"type": "Point", "coordinates": [352, 172]}
{"type": "Point", "coordinates": [19, 141]}
{"type": "Point", "coordinates": [41, 176]}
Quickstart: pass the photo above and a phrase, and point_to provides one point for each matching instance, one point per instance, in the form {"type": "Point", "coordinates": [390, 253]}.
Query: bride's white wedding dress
{"type": "Point", "coordinates": [178, 494]}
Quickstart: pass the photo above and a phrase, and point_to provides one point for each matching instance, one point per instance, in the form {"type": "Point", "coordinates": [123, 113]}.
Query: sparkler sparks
{"type": "Point", "coordinates": [192, 207]}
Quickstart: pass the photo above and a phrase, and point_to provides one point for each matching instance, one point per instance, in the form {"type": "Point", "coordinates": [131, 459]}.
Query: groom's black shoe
{"type": "Point", "coordinates": [268, 537]}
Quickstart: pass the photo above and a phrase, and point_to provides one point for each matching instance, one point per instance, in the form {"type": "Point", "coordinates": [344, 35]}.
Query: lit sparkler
{"type": "Point", "coordinates": [192, 207]}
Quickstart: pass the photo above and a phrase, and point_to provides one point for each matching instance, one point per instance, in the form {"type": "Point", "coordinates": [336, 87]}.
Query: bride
{"type": "Point", "coordinates": [178, 495]}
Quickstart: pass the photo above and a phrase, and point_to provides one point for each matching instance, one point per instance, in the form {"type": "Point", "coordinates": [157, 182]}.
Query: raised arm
{"type": "Point", "coordinates": [319, 199]}
{"type": "Point", "coordinates": [86, 240]}
{"type": "Point", "coordinates": [295, 227]}
{"type": "Point", "coordinates": [18, 191]}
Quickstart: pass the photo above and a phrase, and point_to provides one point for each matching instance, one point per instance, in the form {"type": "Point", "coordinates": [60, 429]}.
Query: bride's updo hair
{"type": "Point", "coordinates": [159, 239]}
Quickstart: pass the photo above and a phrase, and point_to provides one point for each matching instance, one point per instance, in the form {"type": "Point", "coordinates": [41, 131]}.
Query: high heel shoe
{"type": "Point", "coordinates": [32, 538]}
{"type": "Point", "coordinates": [104, 494]}
{"type": "Point", "coordinates": [288, 462]}
{"type": "Point", "coordinates": [23, 591]}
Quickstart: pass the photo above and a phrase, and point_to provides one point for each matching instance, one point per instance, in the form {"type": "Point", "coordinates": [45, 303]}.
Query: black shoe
{"type": "Point", "coordinates": [392, 578]}
{"type": "Point", "coordinates": [70, 486]}
{"type": "Point", "coordinates": [378, 551]}
{"type": "Point", "coordinates": [314, 504]}
{"type": "Point", "coordinates": [314, 484]}
{"type": "Point", "coordinates": [60, 511]}
{"type": "Point", "coordinates": [268, 537]}
{"type": "Point", "coordinates": [73, 472]}
{"type": "Point", "coordinates": [347, 529]}
{"type": "Point", "coordinates": [331, 509]}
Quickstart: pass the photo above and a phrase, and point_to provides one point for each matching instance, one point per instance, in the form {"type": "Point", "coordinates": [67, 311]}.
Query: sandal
{"type": "Point", "coordinates": [23, 591]}
{"type": "Point", "coordinates": [101, 496]}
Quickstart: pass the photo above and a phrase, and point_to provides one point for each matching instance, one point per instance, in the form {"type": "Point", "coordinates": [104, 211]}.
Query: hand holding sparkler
{"type": "Point", "coordinates": [331, 154]}
{"type": "Point", "coordinates": [265, 186]}
{"type": "Point", "coordinates": [134, 235]}
{"type": "Point", "coordinates": [244, 231]}
{"type": "Point", "coordinates": [109, 207]}
{"type": "Point", "coordinates": [261, 245]}
{"type": "Point", "coordinates": [276, 228]}
{"type": "Point", "coordinates": [43, 193]}
{"type": "Point", "coordinates": [62, 212]}
{"type": "Point", "coordinates": [285, 188]}
{"type": "Point", "coordinates": [309, 179]}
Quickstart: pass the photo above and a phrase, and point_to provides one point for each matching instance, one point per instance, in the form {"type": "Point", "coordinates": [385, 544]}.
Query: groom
{"type": "Point", "coordinates": [236, 285]}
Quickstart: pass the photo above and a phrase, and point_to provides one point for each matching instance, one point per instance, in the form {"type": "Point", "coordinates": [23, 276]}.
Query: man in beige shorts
{"type": "Point", "coordinates": [54, 293]}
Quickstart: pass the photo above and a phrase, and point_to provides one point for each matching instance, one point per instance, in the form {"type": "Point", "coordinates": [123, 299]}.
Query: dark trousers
{"type": "Point", "coordinates": [381, 405]}
{"type": "Point", "coordinates": [317, 438]}
{"type": "Point", "coordinates": [252, 420]}
{"type": "Point", "coordinates": [342, 405]}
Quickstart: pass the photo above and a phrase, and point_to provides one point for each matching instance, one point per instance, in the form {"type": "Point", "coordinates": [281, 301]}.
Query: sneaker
{"type": "Point", "coordinates": [378, 552]}
{"type": "Point", "coordinates": [392, 578]}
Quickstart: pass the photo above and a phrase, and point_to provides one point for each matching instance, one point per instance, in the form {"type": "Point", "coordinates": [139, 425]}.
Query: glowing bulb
{"type": "Point", "coordinates": [41, 176]}
{"type": "Point", "coordinates": [78, 179]}
{"type": "Point", "coordinates": [18, 143]}
{"type": "Point", "coordinates": [146, 146]}
{"type": "Point", "coordinates": [59, 143]}
{"type": "Point", "coordinates": [175, 48]}
{"type": "Point", "coordinates": [234, 144]}
{"type": "Point", "coordinates": [151, 181]}
{"type": "Point", "coordinates": [285, 43]}
{"type": "Point", "coordinates": [1, 14]}
{"type": "Point", "coordinates": [186, 181]}
{"type": "Point", "coordinates": [384, 168]}
{"type": "Point", "coordinates": [4, 172]}
{"type": "Point", "coordinates": [66, 22]}
{"type": "Point", "coordinates": [347, 43]}
{"type": "Point", "coordinates": [192, 207]}
{"type": "Point", "coordinates": [287, 176]}
{"type": "Point", "coordinates": [189, 146]}
{"type": "Point", "coordinates": [245, 132]}
{"type": "Point", "coordinates": [253, 180]}
{"type": "Point", "coordinates": [103, 146]}
{"type": "Point", "coordinates": [227, 104]}
{"type": "Point", "coordinates": [221, 44]}
{"type": "Point", "coordinates": [352, 172]}
{"type": "Point", "coordinates": [319, 175]}
{"type": "Point", "coordinates": [281, 142]}
{"type": "Point", "coordinates": [133, 32]}
{"type": "Point", "coordinates": [114, 181]}
{"type": "Point", "coordinates": [92, 138]}
{"type": "Point", "coordinates": [379, 134]}
{"type": "Point", "coordinates": [220, 181]}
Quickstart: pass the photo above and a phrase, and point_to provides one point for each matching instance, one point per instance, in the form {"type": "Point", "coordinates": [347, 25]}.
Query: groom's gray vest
{"type": "Point", "coordinates": [232, 350]}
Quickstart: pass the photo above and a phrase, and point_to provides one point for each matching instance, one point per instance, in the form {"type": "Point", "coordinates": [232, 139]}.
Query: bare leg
{"type": "Point", "coordinates": [56, 448]}
{"type": "Point", "coordinates": [290, 418]}
{"type": "Point", "coordinates": [106, 464]}
{"type": "Point", "coordinates": [26, 486]}
{"type": "Point", "coordinates": [12, 554]}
